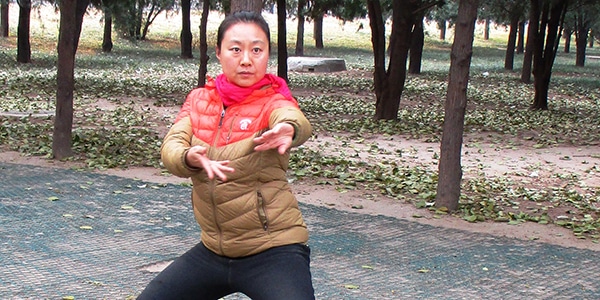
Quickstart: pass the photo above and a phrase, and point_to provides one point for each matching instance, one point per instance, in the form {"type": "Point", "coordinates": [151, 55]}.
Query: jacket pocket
{"type": "Point", "coordinates": [262, 212]}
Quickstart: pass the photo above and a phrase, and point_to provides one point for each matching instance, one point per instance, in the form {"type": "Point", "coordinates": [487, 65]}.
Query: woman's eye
{"type": "Point", "coordinates": [256, 50]}
{"type": "Point", "coordinates": [236, 49]}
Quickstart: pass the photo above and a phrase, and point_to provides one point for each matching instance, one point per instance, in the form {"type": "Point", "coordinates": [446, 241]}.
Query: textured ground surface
{"type": "Point", "coordinates": [93, 236]}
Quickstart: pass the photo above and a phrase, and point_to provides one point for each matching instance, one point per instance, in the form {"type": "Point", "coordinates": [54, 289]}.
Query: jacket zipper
{"type": "Point", "coordinates": [230, 130]}
{"type": "Point", "coordinates": [262, 212]}
{"type": "Point", "coordinates": [213, 186]}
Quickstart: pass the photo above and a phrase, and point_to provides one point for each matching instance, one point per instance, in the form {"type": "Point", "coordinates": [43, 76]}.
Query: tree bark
{"type": "Point", "coordinates": [567, 47]}
{"type": "Point", "coordinates": [521, 38]}
{"type": "Point", "coordinates": [534, 23]}
{"type": "Point", "coordinates": [509, 57]}
{"type": "Point", "coordinates": [442, 27]}
{"type": "Point", "coordinates": [551, 20]}
{"type": "Point", "coordinates": [282, 53]}
{"type": "Point", "coordinates": [318, 31]}
{"type": "Point", "coordinates": [203, 70]}
{"type": "Point", "coordinates": [486, 30]}
{"type": "Point", "coordinates": [300, 32]}
{"type": "Point", "coordinates": [250, 5]}
{"type": "Point", "coordinates": [71, 18]}
{"type": "Point", "coordinates": [186, 30]}
{"type": "Point", "coordinates": [107, 43]}
{"type": "Point", "coordinates": [23, 32]}
{"type": "Point", "coordinates": [416, 47]}
{"type": "Point", "coordinates": [450, 169]}
{"type": "Point", "coordinates": [4, 18]}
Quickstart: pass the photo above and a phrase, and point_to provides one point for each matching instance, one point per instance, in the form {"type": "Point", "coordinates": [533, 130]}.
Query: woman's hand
{"type": "Point", "coordinates": [196, 158]}
{"type": "Point", "coordinates": [279, 137]}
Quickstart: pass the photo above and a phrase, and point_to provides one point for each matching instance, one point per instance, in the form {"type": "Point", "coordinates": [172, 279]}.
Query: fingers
{"type": "Point", "coordinates": [280, 138]}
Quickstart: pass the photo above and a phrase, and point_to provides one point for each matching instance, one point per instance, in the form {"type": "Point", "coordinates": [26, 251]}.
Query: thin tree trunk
{"type": "Point", "coordinates": [552, 20]}
{"type": "Point", "coordinates": [521, 38]}
{"type": "Point", "coordinates": [509, 57]}
{"type": "Point", "coordinates": [442, 27]}
{"type": "Point", "coordinates": [486, 31]}
{"type": "Point", "coordinates": [23, 32]}
{"type": "Point", "coordinates": [186, 30]}
{"type": "Point", "coordinates": [71, 18]}
{"type": "Point", "coordinates": [416, 47]}
{"type": "Point", "coordinates": [450, 169]}
{"type": "Point", "coordinates": [300, 32]}
{"type": "Point", "coordinates": [567, 47]}
{"type": "Point", "coordinates": [203, 70]}
{"type": "Point", "coordinates": [107, 43]}
{"type": "Point", "coordinates": [318, 31]}
{"type": "Point", "coordinates": [282, 53]}
{"type": "Point", "coordinates": [4, 18]}
{"type": "Point", "coordinates": [378, 40]}
{"type": "Point", "coordinates": [534, 23]}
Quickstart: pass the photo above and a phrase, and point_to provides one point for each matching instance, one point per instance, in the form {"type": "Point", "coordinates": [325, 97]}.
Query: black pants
{"type": "Point", "coordinates": [276, 274]}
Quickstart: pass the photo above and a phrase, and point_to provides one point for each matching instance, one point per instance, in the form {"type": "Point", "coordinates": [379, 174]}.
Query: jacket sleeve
{"type": "Point", "coordinates": [295, 117]}
{"type": "Point", "coordinates": [175, 146]}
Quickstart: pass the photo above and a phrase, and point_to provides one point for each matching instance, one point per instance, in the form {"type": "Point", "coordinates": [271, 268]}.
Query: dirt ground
{"type": "Point", "coordinates": [527, 162]}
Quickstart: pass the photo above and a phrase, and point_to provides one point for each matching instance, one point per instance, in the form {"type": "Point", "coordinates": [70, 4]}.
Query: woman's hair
{"type": "Point", "coordinates": [243, 17]}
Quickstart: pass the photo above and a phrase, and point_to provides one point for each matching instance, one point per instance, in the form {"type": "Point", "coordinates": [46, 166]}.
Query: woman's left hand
{"type": "Point", "coordinates": [279, 137]}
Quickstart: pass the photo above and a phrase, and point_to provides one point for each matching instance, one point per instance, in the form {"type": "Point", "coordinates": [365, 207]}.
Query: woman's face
{"type": "Point", "coordinates": [244, 54]}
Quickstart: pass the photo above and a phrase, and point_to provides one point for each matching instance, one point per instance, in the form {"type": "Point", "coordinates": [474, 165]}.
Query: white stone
{"type": "Point", "coordinates": [315, 64]}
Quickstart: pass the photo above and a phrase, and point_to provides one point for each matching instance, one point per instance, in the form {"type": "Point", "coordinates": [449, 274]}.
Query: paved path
{"type": "Point", "coordinates": [91, 236]}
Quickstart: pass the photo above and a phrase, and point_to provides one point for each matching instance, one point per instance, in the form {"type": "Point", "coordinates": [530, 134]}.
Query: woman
{"type": "Point", "coordinates": [232, 138]}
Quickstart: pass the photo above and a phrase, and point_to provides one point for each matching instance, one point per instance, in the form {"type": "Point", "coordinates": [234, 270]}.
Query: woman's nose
{"type": "Point", "coordinates": [246, 58]}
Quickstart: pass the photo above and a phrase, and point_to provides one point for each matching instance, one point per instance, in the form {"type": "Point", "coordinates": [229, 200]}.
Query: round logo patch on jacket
{"type": "Point", "coordinates": [245, 124]}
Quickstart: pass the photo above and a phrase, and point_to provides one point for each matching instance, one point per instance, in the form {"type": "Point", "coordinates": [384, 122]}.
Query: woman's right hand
{"type": "Point", "coordinates": [196, 158]}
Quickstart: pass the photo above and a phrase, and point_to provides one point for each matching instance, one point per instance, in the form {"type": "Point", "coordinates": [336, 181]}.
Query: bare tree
{"type": "Point", "coordinates": [23, 32]}
{"type": "Point", "coordinates": [203, 70]}
{"type": "Point", "coordinates": [249, 5]}
{"type": "Point", "coordinates": [4, 18]}
{"type": "Point", "coordinates": [450, 169]}
{"type": "Point", "coordinates": [186, 30]}
{"type": "Point", "coordinates": [71, 19]}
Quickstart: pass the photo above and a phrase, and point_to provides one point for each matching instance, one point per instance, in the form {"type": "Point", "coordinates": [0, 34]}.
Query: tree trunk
{"type": "Point", "coordinates": [318, 31]}
{"type": "Point", "coordinates": [509, 57]}
{"type": "Point", "coordinates": [23, 32]}
{"type": "Point", "coordinates": [282, 53]}
{"type": "Point", "coordinates": [582, 31]}
{"type": "Point", "coordinates": [442, 27]}
{"type": "Point", "coordinates": [567, 48]}
{"type": "Point", "coordinates": [4, 18]}
{"type": "Point", "coordinates": [521, 38]}
{"type": "Point", "coordinates": [107, 43]}
{"type": "Point", "coordinates": [378, 40]}
{"type": "Point", "coordinates": [71, 18]}
{"type": "Point", "coordinates": [250, 5]}
{"type": "Point", "coordinates": [551, 21]}
{"type": "Point", "coordinates": [416, 47]}
{"type": "Point", "coordinates": [534, 23]}
{"type": "Point", "coordinates": [300, 34]}
{"type": "Point", "coordinates": [186, 30]}
{"type": "Point", "coordinates": [203, 70]}
{"type": "Point", "coordinates": [450, 169]}
{"type": "Point", "coordinates": [486, 30]}
{"type": "Point", "coordinates": [392, 85]}
{"type": "Point", "coordinates": [591, 39]}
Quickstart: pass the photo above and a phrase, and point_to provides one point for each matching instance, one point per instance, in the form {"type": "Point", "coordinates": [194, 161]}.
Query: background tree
{"type": "Point", "coordinates": [133, 18]}
{"type": "Point", "coordinates": [546, 40]}
{"type": "Point", "coordinates": [71, 19]}
{"type": "Point", "coordinates": [203, 69]}
{"type": "Point", "coordinates": [532, 29]}
{"type": "Point", "coordinates": [444, 16]}
{"type": "Point", "coordinates": [301, 17]}
{"type": "Point", "coordinates": [587, 15]}
{"type": "Point", "coordinates": [450, 169]}
{"type": "Point", "coordinates": [107, 7]}
{"type": "Point", "coordinates": [4, 18]}
{"type": "Point", "coordinates": [282, 53]}
{"type": "Point", "coordinates": [389, 83]}
{"type": "Point", "coordinates": [23, 32]}
{"type": "Point", "coordinates": [250, 5]}
{"type": "Point", "coordinates": [509, 13]}
{"type": "Point", "coordinates": [418, 40]}
{"type": "Point", "coordinates": [186, 36]}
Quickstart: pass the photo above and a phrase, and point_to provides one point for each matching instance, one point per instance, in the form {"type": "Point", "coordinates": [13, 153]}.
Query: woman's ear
{"type": "Point", "coordinates": [218, 53]}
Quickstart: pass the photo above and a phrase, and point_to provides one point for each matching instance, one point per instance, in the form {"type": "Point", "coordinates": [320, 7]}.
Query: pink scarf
{"type": "Point", "coordinates": [231, 93]}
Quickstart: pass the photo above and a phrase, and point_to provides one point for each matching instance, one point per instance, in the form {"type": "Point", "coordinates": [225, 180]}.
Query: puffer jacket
{"type": "Point", "coordinates": [253, 210]}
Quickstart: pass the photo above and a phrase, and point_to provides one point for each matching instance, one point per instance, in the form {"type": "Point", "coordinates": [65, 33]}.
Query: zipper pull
{"type": "Point", "coordinates": [222, 117]}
